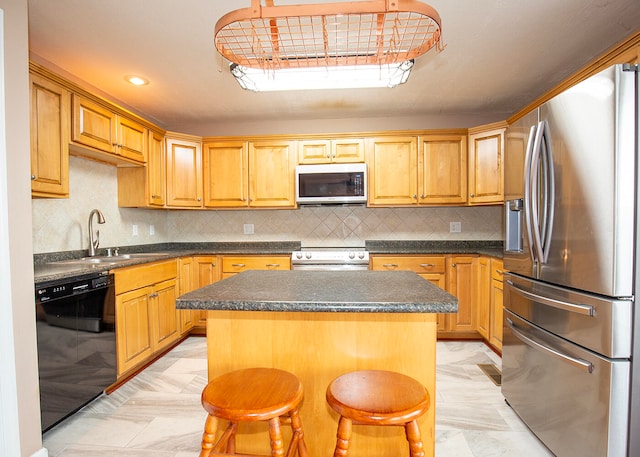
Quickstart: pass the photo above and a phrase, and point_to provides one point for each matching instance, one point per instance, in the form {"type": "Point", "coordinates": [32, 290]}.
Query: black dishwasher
{"type": "Point", "coordinates": [75, 322]}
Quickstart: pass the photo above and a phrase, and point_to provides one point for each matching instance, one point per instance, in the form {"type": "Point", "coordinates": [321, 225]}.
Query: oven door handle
{"type": "Point", "coordinates": [586, 310]}
{"type": "Point", "coordinates": [579, 363]}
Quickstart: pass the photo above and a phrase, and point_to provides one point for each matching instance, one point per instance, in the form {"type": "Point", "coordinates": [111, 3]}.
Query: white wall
{"type": "Point", "coordinates": [61, 224]}
{"type": "Point", "coordinates": [17, 354]}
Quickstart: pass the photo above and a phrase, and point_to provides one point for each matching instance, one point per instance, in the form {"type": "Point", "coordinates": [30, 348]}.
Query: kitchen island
{"type": "Point", "coordinates": [319, 325]}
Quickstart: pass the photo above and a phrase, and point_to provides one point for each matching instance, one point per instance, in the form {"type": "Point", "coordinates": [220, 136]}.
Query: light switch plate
{"type": "Point", "coordinates": [455, 227]}
{"type": "Point", "coordinates": [248, 229]}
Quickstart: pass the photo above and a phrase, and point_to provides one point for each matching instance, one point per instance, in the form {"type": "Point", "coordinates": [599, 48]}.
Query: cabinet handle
{"type": "Point", "coordinates": [500, 272]}
{"type": "Point", "coordinates": [240, 265]}
{"type": "Point", "coordinates": [154, 295]}
{"type": "Point", "coordinates": [272, 265]}
{"type": "Point", "coordinates": [425, 265]}
{"type": "Point", "coordinates": [390, 265]}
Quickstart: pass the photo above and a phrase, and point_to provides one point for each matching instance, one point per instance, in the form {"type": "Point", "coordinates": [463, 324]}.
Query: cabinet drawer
{"type": "Point", "coordinates": [419, 264]}
{"type": "Point", "coordinates": [237, 264]}
{"type": "Point", "coordinates": [497, 270]}
{"type": "Point", "coordinates": [137, 276]}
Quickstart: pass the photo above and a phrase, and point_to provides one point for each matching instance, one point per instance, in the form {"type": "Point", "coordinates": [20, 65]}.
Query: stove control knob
{"type": "Point", "coordinates": [352, 255]}
{"type": "Point", "coordinates": [298, 255]}
{"type": "Point", "coordinates": [308, 255]}
{"type": "Point", "coordinates": [361, 255]}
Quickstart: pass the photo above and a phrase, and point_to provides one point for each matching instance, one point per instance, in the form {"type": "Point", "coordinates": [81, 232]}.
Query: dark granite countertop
{"type": "Point", "coordinates": [322, 291]}
{"type": "Point", "coordinates": [490, 248]}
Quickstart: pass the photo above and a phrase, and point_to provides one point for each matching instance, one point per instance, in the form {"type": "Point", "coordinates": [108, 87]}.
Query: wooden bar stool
{"type": "Point", "coordinates": [376, 397]}
{"type": "Point", "coordinates": [252, 395]}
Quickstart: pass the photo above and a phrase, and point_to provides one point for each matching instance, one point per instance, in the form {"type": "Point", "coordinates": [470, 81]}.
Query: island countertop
{"type": "Point", "coordinates": [322, 291]}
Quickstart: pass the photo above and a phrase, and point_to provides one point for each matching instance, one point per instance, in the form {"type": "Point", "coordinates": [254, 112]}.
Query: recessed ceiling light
{"type": "Point", "coordinates": [136, 80]}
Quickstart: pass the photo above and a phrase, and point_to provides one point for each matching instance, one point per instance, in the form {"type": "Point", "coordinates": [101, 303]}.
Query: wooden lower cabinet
{"type": "Point", "coordinates": [461, 282]}
{"type": "Point", "coordinates": [496, 309]}
{"type": "Point", "coordinates": [236, 264]}
{"type": "Point", "coordinates": [483, 295]}
{"type": "Point", "coordinates": [147, 321]}
{"type": "Point", "coordinates": [196, 272]}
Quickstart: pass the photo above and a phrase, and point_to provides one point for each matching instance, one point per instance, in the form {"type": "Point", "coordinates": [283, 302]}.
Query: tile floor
{"type": "Point", "coordinates": [158, 413]}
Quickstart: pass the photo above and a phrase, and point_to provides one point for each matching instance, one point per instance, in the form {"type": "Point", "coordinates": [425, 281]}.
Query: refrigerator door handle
{"type": "Point", "coordinates": [528, 164]}
{"type": "Point", "coordinates": [585, 310]}
{"type": "Point", "coordinates": [579, 363]}
{"type": "Point", "coordinates": [534, 192]}
{"type": "Point", "coordinates": [548, 190]}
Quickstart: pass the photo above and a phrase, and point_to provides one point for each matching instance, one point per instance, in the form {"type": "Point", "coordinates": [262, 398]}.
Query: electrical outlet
{"type": "Point", "coordinates": [135, 230]}
{"type": "Point", "coordinates": [455, 227]}
{"type": "Point", "coordinates": [248, 229]}
{"type": "Point", "coordinates": [152, 230]}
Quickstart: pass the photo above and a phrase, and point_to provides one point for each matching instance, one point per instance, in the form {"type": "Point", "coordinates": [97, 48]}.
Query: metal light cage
{"type": "Point", "coordinates": [375, 32]}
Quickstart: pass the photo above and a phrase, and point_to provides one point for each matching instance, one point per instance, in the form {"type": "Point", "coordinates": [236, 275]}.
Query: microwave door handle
{"type": "Point", "coordinates": [527, 190]}
{"type": "Point", "coordinates": [550, 197]}
{"type": "Point", "coordinates": [579, 363]}
{"type": "Point", "coordinates": [534, 192]}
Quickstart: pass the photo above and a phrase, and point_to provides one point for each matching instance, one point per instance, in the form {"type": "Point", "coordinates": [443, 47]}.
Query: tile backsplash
{"type": "Point", "coordinates": [62, 224]}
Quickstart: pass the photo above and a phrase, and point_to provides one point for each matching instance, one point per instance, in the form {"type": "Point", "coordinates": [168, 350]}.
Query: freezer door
{"type": "Point", "coordinates": [574, 400]}
{"type": "Point", "coordinates": [592, 132]}
{"type": "Point", "coordinates": [600, 324]}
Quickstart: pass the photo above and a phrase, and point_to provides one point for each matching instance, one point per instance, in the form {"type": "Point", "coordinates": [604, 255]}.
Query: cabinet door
{"type": "Point", "coordinates": [133, 333]}
{"type": "Point", "coordinates": [156, 169]}
{"type": "Point", "coordinates": [50, 116]}
{"type": "Point", "coordinates": [226, 172]}
{"type": "Point", "coordinates": [483, 291]}
{"type": "Point", "coordinates": [314, 151]}
{"type": "Point", "coordinates": [207, 271]}
{"type": "Point", "coordinates": [486, 161]}
{"type": "Point", "coordinates": [186, 276]}
{"type": "Point", "coordinates": [271, 174]}
{"type": "Point", "coordinates": [461, 283]}
{"type": "Point", "coordinates": [393, 165]}
{"type": "Point", "coordinates": [132, 139]}
{"type": "Point", "coordinates": [442, 169]}
{"type": "Point", "coordinates": [164, 316]}
{"type": "Point", "coordinates": [184, 173]}
{"type": "Point", "coordinates": [93, 125]}
{"type": "Point", "coordinates": [496, 323]}
{"type": "Point", "coordinates": [348, 150]}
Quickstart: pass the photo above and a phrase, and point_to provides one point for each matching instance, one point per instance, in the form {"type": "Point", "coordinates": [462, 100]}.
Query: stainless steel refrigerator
{"type": "Point", "coordinates": [571, 206]}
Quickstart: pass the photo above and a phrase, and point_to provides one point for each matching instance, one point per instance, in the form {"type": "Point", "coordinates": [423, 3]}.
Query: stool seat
{"type": "Point", "coordinates": [252, 395]}
{"type": "Point", "coordinates": [378, 397]}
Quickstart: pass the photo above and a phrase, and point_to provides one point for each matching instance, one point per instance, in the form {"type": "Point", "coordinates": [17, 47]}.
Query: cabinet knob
{"type": "Point", "coordinates": [472, 195]}
{"type": "Point", "coordinates": [453, 265]}
{"type": "Point", "coordinates": [199, 199]}
{"type": "Point", "coordinates": [415, 196]}
{"type": "Point", "coordinates": [33, 177]}
{"type": "Point", "coordinates": [423, 196]}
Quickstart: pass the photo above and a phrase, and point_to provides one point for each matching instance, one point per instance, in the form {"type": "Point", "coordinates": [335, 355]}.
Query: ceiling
{"type": "Point", "coordinates": [500, 55]}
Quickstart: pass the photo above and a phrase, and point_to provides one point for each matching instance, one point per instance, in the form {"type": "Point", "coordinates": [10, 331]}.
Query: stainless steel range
{"type": "Point", "coordinates": [330, 259]}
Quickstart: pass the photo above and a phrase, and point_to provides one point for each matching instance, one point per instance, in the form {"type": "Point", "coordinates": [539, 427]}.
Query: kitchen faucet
{"type": "Point", "coordinates": [93, 244]}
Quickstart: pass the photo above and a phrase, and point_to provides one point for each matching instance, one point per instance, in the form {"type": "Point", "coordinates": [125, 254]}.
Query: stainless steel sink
{"type": "Point", "coordinates": [113, 260]}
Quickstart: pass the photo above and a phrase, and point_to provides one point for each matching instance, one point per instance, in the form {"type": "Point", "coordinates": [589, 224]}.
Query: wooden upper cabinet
{"type": "Point", "coordinates": [226, 174]}
{"type": "Point", "coordinates": [145, 186]}
{"type": "Point", "coordinates": [271, 174]}
{"type": "Point", "coordinates": [393, 167]}
{"type": "Point", "coordinates": [343, 150]}
{"type": "Point", "coordinates": [100, 128]}
{"type": "Point", "coordinates": [184, 172]}
{"type": "Point", "coordinates": [50, 115]}
{"type": "Point", "coordinates": [486, 165]}
{"type": "Point", "coordinates": [442, 169]}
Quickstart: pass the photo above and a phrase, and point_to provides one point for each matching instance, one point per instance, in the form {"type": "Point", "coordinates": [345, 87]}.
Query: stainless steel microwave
{"type": "Point", "coordinates": [337, 183]}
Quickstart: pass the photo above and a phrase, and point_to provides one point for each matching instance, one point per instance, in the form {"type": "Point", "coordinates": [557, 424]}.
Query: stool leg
{"type": "Point", "coordinates": [275, 434]}
{"type": "Point", "coordinates": [298, 433]}
{"type": "Point", "coordinates": [343, 437]}
{"type": "Point", "coordinates": [416, 448]}
{"type": "Point", "coordinates": [209, 435]}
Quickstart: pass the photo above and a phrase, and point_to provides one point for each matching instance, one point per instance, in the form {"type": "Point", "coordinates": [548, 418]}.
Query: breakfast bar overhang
{"type": "Point", "coordinates": [319, 325]}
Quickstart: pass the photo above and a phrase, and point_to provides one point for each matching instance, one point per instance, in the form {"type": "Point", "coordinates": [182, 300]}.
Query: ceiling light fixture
{"type": "Point", "coordinates": [136, 80]}
{"type": "Point", "coordinates": [374, 33]}
{"type": "Point", "coordinates": [339, 77]}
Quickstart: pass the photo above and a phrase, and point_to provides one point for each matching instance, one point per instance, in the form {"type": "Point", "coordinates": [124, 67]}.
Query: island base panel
{"type": "Point", "coordinates": [318, 347]}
